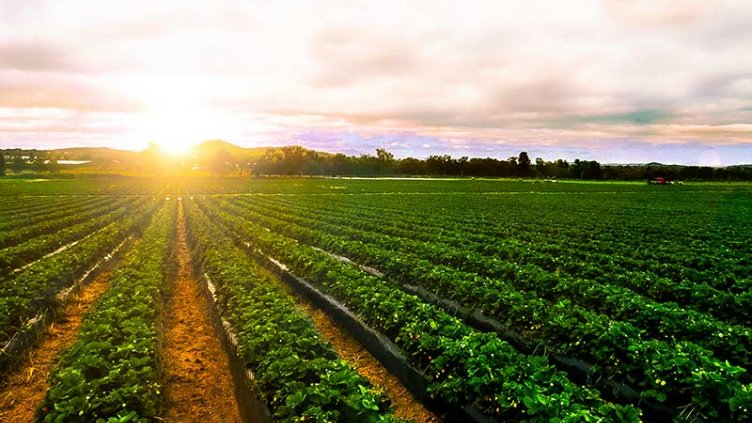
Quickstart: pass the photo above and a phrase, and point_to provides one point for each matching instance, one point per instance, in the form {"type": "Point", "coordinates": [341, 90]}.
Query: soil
{"type": "Point", "coordinates": [23, 389]}
{"type": "Point", "coordinates": [198, 384]}
{"type": "Point", "coordinates": [404, 403]}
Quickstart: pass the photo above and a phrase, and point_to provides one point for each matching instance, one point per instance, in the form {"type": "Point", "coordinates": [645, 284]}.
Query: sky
{"type": "Point", "coordinates": [619, 81]}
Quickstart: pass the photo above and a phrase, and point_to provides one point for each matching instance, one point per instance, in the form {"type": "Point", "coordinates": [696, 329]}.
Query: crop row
{"type": "Point", "coordinates": [31, 209]}
{"type": "Point", "coordinates": [665, 321]}
{"type": "Point", "coordinates": [30, 204]}
{"type": "Point", "coordinates": [21, 254]}
{"type": "Point", "coordinates": [36, 287]}
{"type": "Point", "coordinates": [298, 373]}
{"type": "Point", "coordinates": [21, 220]}
{"type": "Point", "coordinates": [461, 245]}
{"type": "Point", "coordinates": [677, 372]}
{"type": "Point", "coordinates": [84, 186]}
{"type": "Point", "coordinates": [53, 222]}
{"type": "Point", "coordinates": [463, 365]}
{"type": "Point", "coordinates": [606, 228]}
{"type": "Point", "coordinates": [111, 372]}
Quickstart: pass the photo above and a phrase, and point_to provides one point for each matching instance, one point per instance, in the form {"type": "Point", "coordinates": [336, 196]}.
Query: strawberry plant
{"type": "Point", "coordinates": [110, 373]}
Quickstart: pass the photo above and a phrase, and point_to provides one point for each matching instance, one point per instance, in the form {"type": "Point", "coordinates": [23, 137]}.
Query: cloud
{"type": "Point", "coordinates": [733, 85]}
{"type": "Point", "coordinates": [484, 78]}
{"type": "Point", "coordinates": [637, 117]}
{"type": "Point", "coordinates": [648, 13]}
{"type": "Point", "coordinates": [27, 55]}
{"type": "Point", "coordinates": [346, 56]}
{"type": "Point", "coordinates": [32, 91]}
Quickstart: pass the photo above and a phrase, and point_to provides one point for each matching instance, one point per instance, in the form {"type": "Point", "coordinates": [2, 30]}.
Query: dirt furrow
{"type": "Point", "coordinates": [404, 403]}
{"type": "Point", "coordinates": [23, 389]}
{"type": "Point", "coordinates": [198, 383]}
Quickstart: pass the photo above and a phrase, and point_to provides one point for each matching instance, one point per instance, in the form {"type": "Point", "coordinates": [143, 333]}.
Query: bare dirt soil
{"type": "Point", "coordinates": [404, 403]}
{"type": "Point", "coordinates": [198, 383]}
{"type": "Point", "coordinates": [23, 389]}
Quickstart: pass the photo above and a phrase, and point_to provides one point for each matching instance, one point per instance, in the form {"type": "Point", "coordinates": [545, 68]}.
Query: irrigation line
{"type": "Point", "coordinates": [30, 330]}
{"type": "Point", "coordinates": [250, 401]}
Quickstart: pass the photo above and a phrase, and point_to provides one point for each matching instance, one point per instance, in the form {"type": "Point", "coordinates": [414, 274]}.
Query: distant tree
{"type": "Point", "coordinates": [584, 169]}
{"type": "Point", "coordinates": [485, 167]}
{"type": "Point", "coordinates": [18, 164]}
{"type": "Point", "coordinates": [269, 164]}
{"type": "Point", "coordinates": [462, 165]}
{"type": "Point", "coordinates": [53, 167]}
{"type": "Point", "coordinates": [384, 155]}
{"type": "Point", "coordinates": [523, 164]}
{"type": "Point", "coordinates": [366, 165]}
{"type": "Point", "coordinates": [541, 167]}
{"type": "Point", "coordinates": [294, 158]}
{"type": "Point", "coordinates": [577, 169]}
{"type": "Point", "coordinates": [2, 163]}
{"type": "Point", "coordinates": [438, 165]}
{"type": "Point", "coordinates": [340, 165]}
{"type": "Point", "coordinates": [411, 166]}
{"type": "Point", "coordinates": [705, 173]}
{"type": "Point", "coordinates": [38, 164]}
{"type": "Point", "coordinates": [595, 170]}
{"type": "Point", "coordinates": [313, 163]}
{"type": "Point", "coordinates": [385, 161]}
{"type": "Point", "coordinates": [219, 162]}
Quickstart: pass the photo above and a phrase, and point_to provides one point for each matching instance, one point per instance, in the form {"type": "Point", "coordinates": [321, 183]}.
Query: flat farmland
{"type": "Point", "coordinates": [471, 299]}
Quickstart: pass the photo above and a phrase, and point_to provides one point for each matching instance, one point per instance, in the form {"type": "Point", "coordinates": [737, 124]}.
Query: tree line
{"type": "Point", "coordinates": [296, 160]}
{"type": "Point", "coordinates": [18, 161]}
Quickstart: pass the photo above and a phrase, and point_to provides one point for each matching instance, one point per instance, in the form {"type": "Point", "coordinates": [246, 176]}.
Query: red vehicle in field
{"type": "Point", "coordinates": [658, 181]}
{"type": "Point", "coordinates": [664, 181]}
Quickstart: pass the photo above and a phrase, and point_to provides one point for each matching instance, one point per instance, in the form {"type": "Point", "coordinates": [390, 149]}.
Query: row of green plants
{"type": "Point", "coordinates": [53, 222]}
{"type": "Point", "coordinates": [456, 244]}
{"type": "Point", "coordinates": [111, 373]}
{"type": "Point", "coordinates": [663, 321]}
{"type": "Point", "coordinates": [16, 256]}
{"type": "Point", "coordinates": [53, 208]}
{"type": "Point", "coordinates": [298, 374]}
{"type": "Point", "coordinates": [36, 287]}
{"type": "Point", "coordinates": [89, 185]}
{"type": "Point", "coordinates": [32, 210]}
{"type": "Point", "coordinates": [462, 365]}
{"type": "Point", "coordinates": [30, 204]}
{"type": "Point", "coordinates": [673, 372]}
{"type": "Point", "coordinates": [695, 233]}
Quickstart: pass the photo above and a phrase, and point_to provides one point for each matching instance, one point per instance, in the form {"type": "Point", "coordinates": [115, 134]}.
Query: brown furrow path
{"type": "Point", "coordinates": [23, 389]}
{"type": "Point", "coordinates": [404, 403]}
{"type": "Point", "coordinates": [198, 384]}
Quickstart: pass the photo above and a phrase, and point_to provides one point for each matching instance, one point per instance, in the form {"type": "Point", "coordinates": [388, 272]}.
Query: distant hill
{"type": "Point", "coordinates": [98, 159]}
{"type": "Point", "coordinates": [208, 149]}
{"type": "Point", "coordinates": [95, 154]}
{"type": "Point", "coordinates": [103, 154]}
{"type": "Point", "coordinates": [237, 153]}
{"type": "Point", "coordinates": [651, 164]}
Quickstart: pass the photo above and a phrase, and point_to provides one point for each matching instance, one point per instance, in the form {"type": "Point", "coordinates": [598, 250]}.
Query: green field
{"type": "Point", "coordinates": [520, 300]}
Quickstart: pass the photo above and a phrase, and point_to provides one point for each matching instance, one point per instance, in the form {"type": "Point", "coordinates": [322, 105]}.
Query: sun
{"type": "Point", "coordinates": [175, 128]}
{"type": "Point", "coordinates": [174, 147]}
{"type": "Point", "coordinates": [176, 119]}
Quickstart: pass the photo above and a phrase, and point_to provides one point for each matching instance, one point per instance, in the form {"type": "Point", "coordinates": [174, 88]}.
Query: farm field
{"type": "Point", "coordinates": [328, 299]}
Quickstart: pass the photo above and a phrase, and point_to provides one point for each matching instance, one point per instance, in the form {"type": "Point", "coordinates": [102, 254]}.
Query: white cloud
{"type": "Point", "coordinates": [522, 73]}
